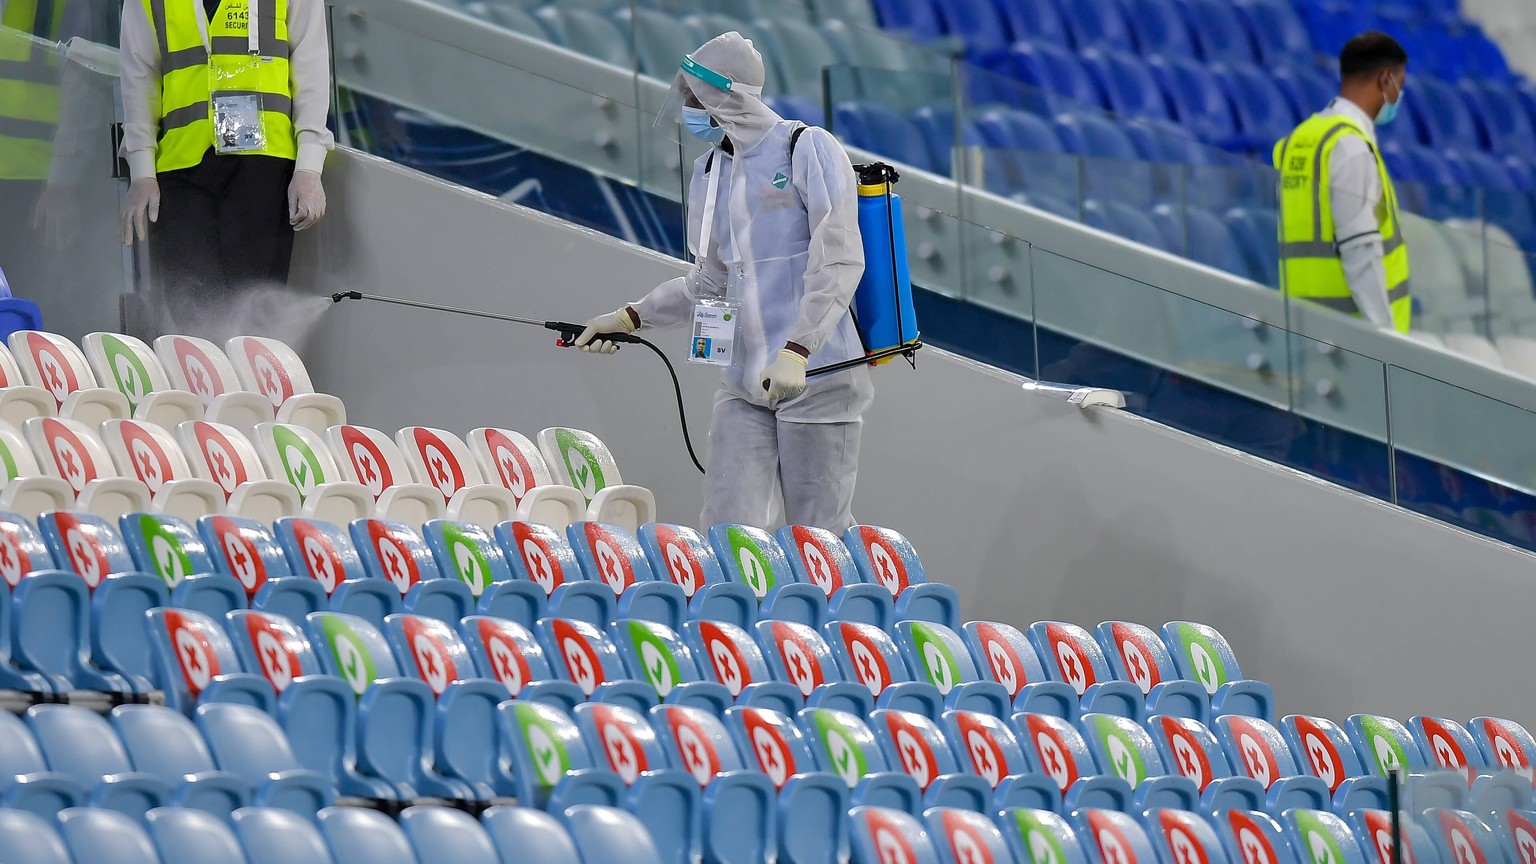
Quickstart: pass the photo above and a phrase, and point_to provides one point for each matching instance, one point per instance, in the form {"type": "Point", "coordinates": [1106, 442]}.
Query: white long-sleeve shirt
{"type": "Point", "coordinates": [309, 71]}
{"type": "Point", "coordinates": [1356, 193]}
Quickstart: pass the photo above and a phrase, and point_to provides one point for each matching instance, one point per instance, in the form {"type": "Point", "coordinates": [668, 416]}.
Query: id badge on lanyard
{"type": "Point", "coordinates": [232, 85]}
{"type": "Point", "coordinates": [715, 321]}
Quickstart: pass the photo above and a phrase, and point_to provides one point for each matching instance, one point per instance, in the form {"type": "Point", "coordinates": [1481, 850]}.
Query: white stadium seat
{"type": "Point", "coordinates": [223, 454]}
{"type": "Point", "coordinates": [292, 451]}
{"type": "Point", "coordinates": [440, 459]}
{"type": "Point", "coordinates": [135, 370]}
{"type": "Point", "coordinates": [150, 453]}
{"type": "Point", "coordinates": [370, 457]}
{"type": "Point", "coordinates": [200, 367]}
{"type": "Point", "coordinates": [511, 459]}
{"type": "Point", "coordinates": [580, 459]}
{"type": "Point", "coordinates": [20, 401]}
{"type": "Point", "coordinates": [25, 490]}
{"type": "Point", "coordinates": [56, 365]}
{"type": "Point", "coordinates": [69, 450]}
{"type": "Point", "coordinates": [269, 367]}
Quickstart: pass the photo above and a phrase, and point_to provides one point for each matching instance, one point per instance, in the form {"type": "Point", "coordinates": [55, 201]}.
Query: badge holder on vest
{"type": "Point", "coordinates": [236, 98]}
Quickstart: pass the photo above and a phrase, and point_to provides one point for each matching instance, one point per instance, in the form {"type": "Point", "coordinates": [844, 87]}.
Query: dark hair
{"type": "Point", "coordinates": [1369, 53]}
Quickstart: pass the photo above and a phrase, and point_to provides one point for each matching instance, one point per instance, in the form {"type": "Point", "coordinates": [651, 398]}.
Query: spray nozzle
{"type": "Point", "coordinates": [346, 295]}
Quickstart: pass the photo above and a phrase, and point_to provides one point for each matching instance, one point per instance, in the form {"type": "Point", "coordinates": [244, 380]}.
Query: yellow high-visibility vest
{"type": "Point", "coordinates": [187, 68]}
{"type": "Point", "coordinates": [1310, 266]}
{"type": "Point", "coordinates": [29, 88]}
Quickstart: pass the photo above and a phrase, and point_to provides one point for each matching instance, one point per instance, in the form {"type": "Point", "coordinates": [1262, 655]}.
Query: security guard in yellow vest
{"type": "Point", "coordinates": [1341, 242]}
{"type": "Point", "coordinates": [225, 104]}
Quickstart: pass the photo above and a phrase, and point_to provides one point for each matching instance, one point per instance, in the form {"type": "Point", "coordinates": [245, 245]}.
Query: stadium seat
{"type": "Point", "coordinates": [1097, 24]}
{"type": "Point", "coordinates": [1461, 836]}
{"type": "Point", "coordinates": [609, 834]}
{"type": "Point", "coordinates": [1448, 746]}
{"type": "Point", "coordinates": [165, 745]}
{"type": "Point", "coordinates": [29, 838]}
{"type": "Point", "coordinates": [299, 455]}
{"type": "Point", "coordinates": [818, 557]}
{"type": "Point", "coordinates": [1373, 828]}
{"type": "Point", "coordinates": [200, 367]}
{"type": "Point", "coordinates": [1264, 114]}
{"type": "Point", "coordinates": [274, 836]}
{"type": "Point", "coordinates": [522, 832]}
{"type": "Point", "coordinates": [869, 655]}
{"type": "Point", "coordinates": [1128, 84]}
{"type": "Point", "coordinates": [1517, 833]}
{"type": "Point", "coordinates": [937, 653]}
{"type": "Point", "coordinates": [919, 20]}
{"type": "Point", "coordinates": [1034, 19]}
{"type": "Point", "coordinates": [1256, 748]}
{"type": "Point", "coordinates": [248, 551]}
{"type": "Point", "coordinates": [750, 556]}
{"type": "Point", "coordinates": [916, 744]}
{"type": "Point", "coordinates": [656, 653]}
{"type": "Point", "coordinates": [737, 663]}
{"type": "Point", "coordinates": [812, 803]}
{"type": "Point", "coordinates": [886, 558]}
{"type": "Point", "coordinates": [1114, 835]}
{"type": "Point", "coordinates": [29, 493]}
{"type": "Point", "coordinates": [659, 41]}
{"type": "Point", "coordinates": [1189, 748]}
{"type": "Point", "coordinates": [610, 555]}
{"type": "Point", "coordinates": [325, 553]}
{"type": "Point", "coordinates": [1253, 837]}
{"type": "Point", "coordinates": [249, 744]}
{"type": "Point", "coordinates": [186, 836]}
{"type": "Point", "coordinates": [467, 554]}
{"type": "Point", "coordinates": [50, 635]}
{"type": "Point", "coordinates": [578, 459]}
{"type": "Point", "coordinates": [94, 834]}
{"type": "Point", "coordinates": [1040, 835]}
{"type": "Point", "coordinates": [151, 454]}
{"type": "Point", "coordinates": [546, 575]}
{"type": "Point", "coordinates": [508, 652]}
{"type": "Point", "coordinates": [1179, 835]}
{"type": "Point", "coordinates": [740, 805]}
{"type": "Point", "coordinates": [587, 32]}
{"type": "Point", "coordinates": [441, 835]}
{"type": "Point", "coordinates": [662, 794]}
{"type": "Point", "coordinates": [70, 451]}
{"type": "Point", "coordinates": [269, 367]}
{"type": "Point", "coordinates": [1200, 236]}
{"type": "Point", "coordinates": [549, 763]}
{"type": "Point", "coordinates": [1201, 654]}
{"type": "Point", "coordinates": [514, 461]}
{"type": "Point", "coordinates": [79, 744]}
{"type": "Point", "coordinates": [370, 457]}
{"type": "Point", "coordinates": [195, 663]}
{"type": "Point", "coordinates": [1056, 748]}
{"type": "Point", "coordinates": [1158, 28]}
{"type": "Point", "coordinates": [1331, 757]}
{"type": "Point", "coordinates": [134, 370]}
{"type": "Point", "coordinates": [1254, 231]}
{"type": "Point", "coordinates": [223, 454]}
{"type": "Point", "coordinates": [26, 783]}
{"type": "Point", "coordinates": [1277, 31]}
{"type": "Point", "coordinates": [171, 549]}
{"type": "Point", "coordinates": [884, 834]}
{"type": "Point", "coordinates": [360, 836]}
{"type": "Point", "coordinates": [1219, 31]}
{"type": "Point", "coordinates": [1135, 654]}
{"type": "Point", "coordinates": [1442, 116]}
{"type": "Point", "coordinates": [797, 655]}
{"type": "Point", "coordinates": [440, 459]}
{"type": "Point", "coordinates": [1070, 655]}
{"type": "Point", "coordinates": [57, 366]}
{"type": "Point", "coordinates": [844, 746]}
{"type": "Point", "coordinates": [685, 557]}
{"type": "Point", "coordinates": [1505, 744]}
{"type": "Point", "coordinates": [1198, 98]}
{"type": "Point", "coordinates": [1308, 88]}
{"type": "Point", "coordinates": [802, 52]}
{"type": "Point", "coordinates": [22, 552]}
{"type": "Point", "coordinates": [991, 751]}
{"type": "Point", "coordinates": [1509, 128]}
{"type": "Point", "coordinates": [584, 655]}
{"type": "Point", "coordinates": [882, 129]}
{"type": "Point", "coordinates": [1050, 79]}
{"type": "Point", "coordinates": [394, 552]}
{"type": "Point", "coordinates": [20, 401]}
{"type": "Point", "coordinates": [1384, 745]}
{"type": "Point", "coordinates": [1123, 220]}
{"type": "Point", "coordinates": [1003, 654]}
{"type": "Point", "coordinates": [1022, 152]}
{"type": "Point", "coordinates": [1125, 749]}
{"type": "Point", "coordinates": [960, 836]}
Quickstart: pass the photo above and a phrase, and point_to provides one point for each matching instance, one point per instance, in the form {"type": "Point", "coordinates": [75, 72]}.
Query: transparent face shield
{"type": "Point", "coordinates": [684, 117]}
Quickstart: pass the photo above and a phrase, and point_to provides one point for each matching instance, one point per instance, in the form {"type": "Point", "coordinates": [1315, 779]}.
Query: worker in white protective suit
{"type": "Point", "coordinates": [773, 225]}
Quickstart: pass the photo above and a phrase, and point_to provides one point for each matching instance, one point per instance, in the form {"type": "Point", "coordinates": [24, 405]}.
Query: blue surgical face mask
{"type": "Point", "coordinates": [700, 125]}
{"type": "Point", "coordinates": [1389, 110]}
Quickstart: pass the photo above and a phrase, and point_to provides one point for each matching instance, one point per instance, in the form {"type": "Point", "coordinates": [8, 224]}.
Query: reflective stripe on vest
{"type": "Point", "coordinates": [1310, 265]}
{"type": "Point", "coordinates": [188, 67]}
{"type": "Point", "coordinates": [29, 87]}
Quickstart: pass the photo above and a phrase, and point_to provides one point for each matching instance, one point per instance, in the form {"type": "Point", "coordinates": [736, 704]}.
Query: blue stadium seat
{"type": "Point", "coordinates": [812, 803]}
{"type": "Point", "coordinates": [169, 548]}
{"type": "Point", "coordinates": [1252, 837]}
{"type": "Point", "coordinates": [1219, 31]}
{"type": "Point", "coordinates": [918, 18]}
{"type": "Point", "coordinates": [752, 557]}
{"type": "Point", "coordinates": [1331, 24]}
{"type": "Point", "coordinates": [360, 836]}
{"type": "Point", "coordinates": [1440, 114]}
{"type": "Point", "coordinates": [937, 653]}
{"type": "Point", "coordinates": [915, 744]}
{"type": "Point", "coordinates": [882, 129]}
{"type": "Point", "coordinates": [186, 836]}
{"type": "Point", "coordinates": [1330, 757]}
{"type": "Point", "coordinates": [248, 551]}
{"type": "Point", "coordinates": [1158, 28]}
{"type": "Point", "coordinates": [1128, 84]}
{"type": "Point", "coordinates": [25, 781]}
{"type": "Point", "coordinates": [1190, 749]}
{"type": "Point", "coordinates": [936, 123]}
{"type": "Point", "coordinates": [1035, 835]}
{"type": "Point", "coordinates": [1022, 152]}
{"type": "Point", "coordinates": [740, 805]}
{"type": "Point", "coordinates": [1003, 654]}
{"type": "Point", "coordinates": [548, 764]}
{"type": "Point", "coordinates": [1264, 114]}
{"type": "Point", "coordinates": [1254, 231]}
{"type": "Point", "coordinates": [585, 656]}
{"type": "Point", "coordinates": [1373, 828]}
{"type": "Point", "coordinates": [94, 834]}
{"type": "Point", "coordinates": [1097, 24]}
{"type": "Point", "coordinates": [248, 743]}
{"type": "Point", "coordinates": [609, 834]}
{"type": "Point", "coordinates": [1320, 837]}
{"type": "Point", "coordinates": [587, 32]}
{"type": "Point", "coordinates": [883, 834]}
{"type": "Point", "coordinates": [1114, 170]}
{"type": "Point", "coordinates": [508, 652]}
{"type": "Point", "coordinates": [80, 744]}
{"type": "Point", "coordinates": [807, 111]}
{"type": "Point", "coordinates": [1504, 743]}
{"type": "Point", "coordinates": [1070, 655]}
{"type": "Point", "coordinates": [1034, 19]}
{"type": "Point", "coordinates": [655, 653]}
{"type": "Point", "coordinates": [1054, 747]}
{"type": "Point", "coordinates": [195, 662]}
{"type": "Point", "coordinates": [989, 749]}
{"type": "Point", "coordinates": [662, 793]}
{"type": "Point", "coordinates": [86, 545]}
{"type": "Point", "coordinates": [1123, 220]}
{"type": "Point", "coordinates": [273, 836]}
{"type": "Point", "coordinates": [611, 556]}
{"type": "Point", "coordinates": [272, 644]}
{"type": "Point", "coordinates": [728, 655]}
{"type": "Point", "coordinates": [525, 833]}
{"type": "Point", "coordinates": [1309, 89]}
{"type": "Point", "coordinates": [1383, 744]}
{"type": "Point", "coordinates": [683, 554]}
{"type": "Point", "coordinates": [1053, 79]}
{"type": "Point", "coordinates": [28, 839]}
{"type": "Point", "coordinates": [961, 836]}
{"type": "Point", "coordinates": [444, 836]}
{"type": "Point", "coordinates": [1201, 236]}
{"type": "Point", "coordinates": [50, 637]}
{"type": "Point", "coordinates": [1179, 835]}
{"type": "Point", "coordinates": [540, 557]}
{"type": "Point", "coordinates": [979, 23]}
{"type": "Point", "coordinates": [1203, 655]}
{"type": "Point", "coordinates": [1124, 748]}
{"type": "Point", "coordinates": [844, 745]}
{"type": "Point", "coordinates": [1114, 836]}
{"type": "Point", "coordinates": [818, 557]}
{"type": "Point", "coordinates": [325, 553]}
{"type": "Point", "coordinates": [165, 745]}
{"type": "Point", "coordinates": [1135, 654]}
{"type": "Point", "coordinates": [868, 655]}
{"type": "Point", "coordinates": [395, 552]}
{"type": "Point", "coordinates": [468, 554]}
{"type": "Point", "coordinates": [1517, 833]}
{"type": "Point", "coordinates": [1448, 745]}
{"type": "Point", "coordinates": [797, 655]}
{"type": "Point", "coordinates": [1278, 32]}
{"type": "Point", "coordinates": [659, 39]}
{"type": "Point", "coordinates": [802, 51]}
{"type": "Point", "coordinates": [886, 558]}
{"type": "Point", "coordinates": [1256, 748]}
{"type": "Point", "coordinates": [1198, 98]}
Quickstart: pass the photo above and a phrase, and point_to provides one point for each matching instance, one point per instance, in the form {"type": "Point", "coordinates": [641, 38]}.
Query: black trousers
{"type": "Point", "coordinates": [223, 228]}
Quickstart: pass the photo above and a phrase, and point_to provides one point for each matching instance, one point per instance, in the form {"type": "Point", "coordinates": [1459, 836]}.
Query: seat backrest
{"type": "Point", "coordinates": [466, 552]}
{"type": "Point", "coordinates": [509, 457]}
{"type": "Point", "coordinates": [189, 651]}
{"type": "Point", "coordinates": [1218, 28]}
{"type": "Point", "coordinates": [295, 454]}
{"type": "Point", "coordinates": [1002, 654]}
{"type": "Point", "coordinates": [271, 835]}
{"type": "Point", "coordinates": [610, 834]}
{"type": "Point", "coordinates": [319, 550]}
{"type": "Point", "coordinates": [438, 458]}
{"type": "Point", "coordinates": [272, 645]}
{"type": "Point", "coordinates": [1201, 654]}
{"type": "Point", "coordinates": [1505, 744]}
{"type": "Point", "coordinates": [523, 833]}
{"type": "Point", "coordinates": [1189, 748]}
{"type": "Point", "coordinates": [1118, 837]}
{"type": "Point", "coordinates": [1197, 96]}
{"type": "Point", "coordinates": [750, 556]}
{"type": "Point", "coordinates": [880, 834]}
{"type": "Point", "coordinates": [1069, 654]}
{"type": "Point", "coordinates": [1040, 837]}
{"type": "Point", "coordinates": [1054, 747]}
{"type": "Point", "coordinates": [506, 651]}
{"type": "Point", "coordinates": [1373, 828]}
{"type": "Point", "coordinates": [22, 551]}
{"type": "Point", "coordinates": [78, 743]}
{"type": "Point", "coordinates": [86, 544]}
{"type": "Point", "coordinates": [543, 743]}
{"type": "Point", "coordinates": [220, 453]}
{"type": "Point", "coordinates": [797, 654]}
{"type": "Point", "coordinates": [682, 555]}
{"type": "Point", "coordinates": [69, 450]}
{"type": "Point", "coordinates": [773, 740]}
{"type": "Point", "coordinates": [187, 836]}
{"type": "Point", "coordinates": [126, 362]}
{"type": "Point", "coordinates": [913, 743]}
{"type": "Point", "coordinates": [1182, 837]}
{"type": "Point", "coordinates": [268, 367]}
{"type": "Point", "coordinates": [986, 743]}
{"type": "Point", "coordinates": [818, 557]}
{"type": "Point", "coordinates": [802, 53]}
{"type": "Point", "coordinates": [1519, 835]}
{"type": "Point", "coordinates": [27, 839]}
{"type": "Point", "coordinates": [441, 835]}
{"type": "Point", "coordinates": [866, 654]}
{"type": "Point", "coordinates": [1323, 748]}
{"type": "Point", "coordinates": [1447, 744]}
{"type": "Point", "coordinates": [161, 742]}
{"type": "Point", "coordinates": [1158, 28]}
{"type": "Point", "coordinates": [166, 546]}
{"type": "Point", "coordinates": [628, 743]}
{"type": "Point", "coordinates": [198, 366]}
{"type": "Point", "coordinates": [393, 551]}
{"type": "Point", "coordinates": [245, 549]}
{"type": "Point", "coordinates": [1252, 837]}
{"type": "Point", "coordinates": [51, 362]}
{"type": "Point", "coordinates": [655, 653]}
{"type": "Point", "coordinates": [609, 554]}
{"type": "Point", "coordinates": [842, 744]}
{"type": "Point", "coordinates": [1135, 654]}
{"type": "Point", "coordinates": [98, 834]}
{"type": "Point", "coordinates": [1097, 24]}
{"type": "Point", "coordinates": [884, 558]}
{"type": "Point", "coordinates": [19, 753]}
{"type": "Point", "coordinates": [1121, 747]}
{"type": "Point", "coordinates": [577, 458]}
{"type": "Point", "coordinates": [1319, 837]}
{"type": "Point", "coordinates": [430, 649]}
{"type": "Point", "coordinates": [1256, 748]}
{"type": "Point", "coordinates": [368, 456]}
{"type": "Point", "coordinates": [580, 653]}
{"type": "Point", "coordinates": [16, 456]}
{"type": "Point", "coordinates": [351, 648]}
{"type": "Point", "coordinates": [726, 654]}
{"type": "Point", "coordinates": [538, 553]}
{"type": "Point", "coordinates": [695, 741]}
{"type": "Point", "coordinates": [936, 654]}
{"type": "Point", "coordinates": [145, 451]}
{"type": "Point", "coordinates": [360, 836]}
{"type": "Point", "coordinates": [1383, 744]}
{"type": "Point", "coordinates": [963, 836]}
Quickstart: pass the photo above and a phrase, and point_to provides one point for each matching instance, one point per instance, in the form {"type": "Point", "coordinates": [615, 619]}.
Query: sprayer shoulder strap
{"type": "Point", "coordinates": [794, 138]}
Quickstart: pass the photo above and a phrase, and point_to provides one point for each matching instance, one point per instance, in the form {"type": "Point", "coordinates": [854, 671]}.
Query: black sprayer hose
{"type": "Point", "coordinates": [568, 335]}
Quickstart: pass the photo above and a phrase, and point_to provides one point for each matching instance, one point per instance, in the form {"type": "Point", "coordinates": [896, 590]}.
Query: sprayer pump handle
{"type": "Point", "coordinates": [570, 332]}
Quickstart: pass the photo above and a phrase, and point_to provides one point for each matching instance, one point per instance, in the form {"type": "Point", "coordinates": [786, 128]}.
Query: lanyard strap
{"type": "Point", "coordinates": [710, 196]}
{"type": "Point", "coordinates": [252, 28]}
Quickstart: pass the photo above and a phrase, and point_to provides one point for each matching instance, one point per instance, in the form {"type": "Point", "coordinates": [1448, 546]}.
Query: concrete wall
{"type": "Point", "coordinates": [1033, 509]}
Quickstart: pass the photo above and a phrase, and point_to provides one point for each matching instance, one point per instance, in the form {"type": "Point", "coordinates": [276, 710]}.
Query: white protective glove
{"type": "Point", "coordinates": [140, 208]}
{"type": "Point", "coordinates": [785, 377]}
{"type": "Point", "coordinates": [622, 320]}
{"type": "Point", "coordinates": [306, 199]}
